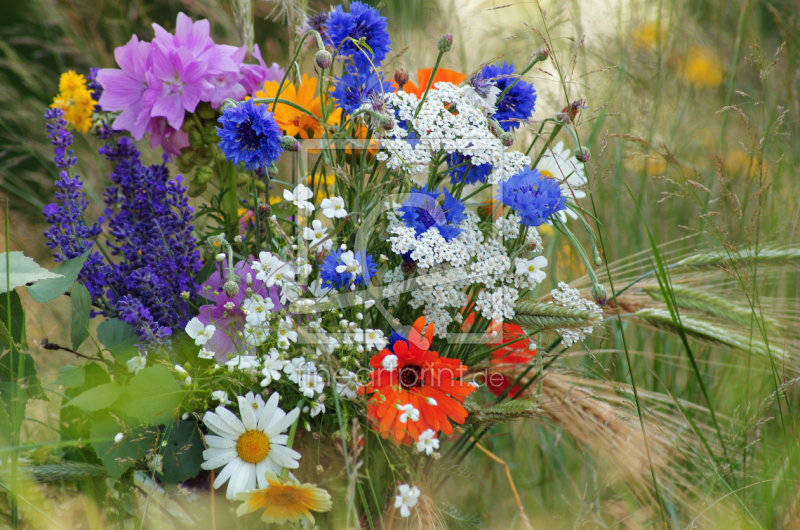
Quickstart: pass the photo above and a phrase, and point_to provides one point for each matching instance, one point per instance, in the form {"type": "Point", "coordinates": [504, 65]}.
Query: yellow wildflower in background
{"type": "Point", "coordinates": [645, 36]}
{"type": "Point", "coordinates": [701, 68]}
{"type": "Point", "coordinates": [75, 100]}
{"type": "Point", "coordinates": [285, 500]}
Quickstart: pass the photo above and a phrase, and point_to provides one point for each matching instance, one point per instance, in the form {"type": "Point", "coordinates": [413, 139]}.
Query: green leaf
{"type": "Point", "coordinates": [152, 397]}
{"type": "Point", "coordinates": [6, 429]}
{"type": "Point", "coordinates": [183, 452]}
{"type": "Point", "coordinates": [96, 398]}
{"type": "Point", "coordinates": [119, 457]}
{"type": "Point", "coordinates": [46, 290]}
{"type": "Point", "coordinates": [22, 270]}
{"type": "Point", "coordinates": [119, 338]}
{"type": "Point", "coordinates": [15, 401]}
{"type": "Point", "coordinates": [17, 316]}
{"type": "Point", "coordinates": [81, 305]}
{"type": "Point", "coordinates": [9, 363]}
{"type": "Point", "coordinates": [75, 423]}
{"type": "Point", "coordinates": [71, 376]}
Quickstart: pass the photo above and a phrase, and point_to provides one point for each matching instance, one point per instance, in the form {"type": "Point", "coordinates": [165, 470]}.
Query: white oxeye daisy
{"type": "Point", "coordinates": [427, 442]}
{"type": "Point", "coordinates": [199, 332]}
{"type": "Point", "coordinates": [333, 207]}
{"type": "Point", "coordinates": [251, 446]}
{"type": "Point", "coordinates": [406, 499]}
{"type": "Point", "coordinates": [557, 163]}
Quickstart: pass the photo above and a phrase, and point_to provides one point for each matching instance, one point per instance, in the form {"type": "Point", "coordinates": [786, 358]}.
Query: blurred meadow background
{"type": "Point", "coordinates": [690, 114]}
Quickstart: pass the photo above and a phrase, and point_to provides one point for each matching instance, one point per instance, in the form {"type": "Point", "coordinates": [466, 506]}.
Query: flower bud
{"type": "Point", "coordinates": [231, 288]}
{"type": "Point", "coordinates": [401, 77]}
{"type": "Point", "coordinates": [542, 54]}
{"type": "Point", "coordinates": [599, 294]}
{"type": "Point", "coordinates": [583, 154]}
{"type": "Point", "coordinates": [507, 138]}
{"type": "Point", "coordinates": [221, 256]}
{"type": "Point", "coordinates": [272, 171]}
{"type": "Point", "coordinates": [323, 58]}
{"type": "Point", "coordinates": [264, 210]}
{"type": "Point", "coordinates": [204, 111]}
{"type": "Point", "coordinates": [195, 189]}
{"type": "Point", "coordinates": [290, 144]}
{"type": "Point", "coordinates": [203, 174]}
{"type": "Point", "coordinates": [445, 43]}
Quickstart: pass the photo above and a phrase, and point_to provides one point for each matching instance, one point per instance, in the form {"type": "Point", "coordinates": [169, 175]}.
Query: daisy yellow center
{"type": "Point", "coordinates": [253, 446]}
{"type": "Point", "coordinates": [546, 173]}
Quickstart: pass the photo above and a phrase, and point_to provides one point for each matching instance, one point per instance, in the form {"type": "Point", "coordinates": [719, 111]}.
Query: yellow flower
{"type": "Point", "coordinates": [645, 36]}
{"type": "Point", "coordinates": [320, 179]}
{"type": "Point", "coordinates": [285, 500]}
{"type": "Point", "coordinates": [71, 83]}
{"type": "Point", "coordinates": [293, 121]}
{"type": "Point", "coordinates": [75, 100]}
{"type": "Point", "coordinates": [701, 69]}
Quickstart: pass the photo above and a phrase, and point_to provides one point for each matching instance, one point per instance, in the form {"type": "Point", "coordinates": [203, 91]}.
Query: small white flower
{"type": "Point", "coordinates": [311, 384]}
{"type": "Point", "coordinates": [371, 338]}
{"type": "Point", "coordinates": [427, 442]}
{"type": "Point", "coordinates": [258, 309]}
{"type": "Point", "coordinates": [238, 239]}
{"type": "Point", "coordinates": [348, 385]}
{"type": "Point", "coordinates": [333, 207]}
{"type": "Point", "coordinates": [532, 268]}
{"type": "Point", "coordinates": [254, 335]}
{"type": "Point", "coordinates": [199, 332]}
{"type": "Point", "coordinates": [244, 363]}
{"type": "Point", "coordinates": [137, 364]}
{"type": "Point", "coordinates": [406, 499]}
{"type": "Point", "coordinates": [205, 354]}
{"type": "Point", "coordinates": [318, 406]}
{"type": "Point", "coordinates": [389, 363]}
{"type": "Point", "coordinates": [297, 368]}
{"type": "Point", "coordinates": [316, 234]}
{"type": "Point", "coordinates": [286, 330]}
{"type": "Point", "coordinates": [299, 197]}
{"type": "Point", "coordinates": [119, 437]}
{"type": "Point", "coordinates": [408, 412]}
{"type": "Point", "coordinates": [272, 367]}
{"type": "Point", "coordinates": [221, 396]}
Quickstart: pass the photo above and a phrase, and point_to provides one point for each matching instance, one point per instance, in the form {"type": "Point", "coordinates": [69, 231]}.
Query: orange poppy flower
{"type": "Point", "coordinates": [418, 377]}
{"type": "Point", "coordinates": [423, 75]}
{"type": "Point", "coordinates": [292, 121]}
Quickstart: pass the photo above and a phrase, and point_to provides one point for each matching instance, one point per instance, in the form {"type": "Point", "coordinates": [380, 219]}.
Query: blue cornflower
{"type": "Point", "coordinates": [362, 21]}
{"type": "Point", "coordinates": [534, 197]}
{"type": "Point", "coordinates": [422, 211]}
{"type": "Point", "coordinates": [518, 104]}
{"type": "Point", "coordinates": [354, 89]}
{"type": "Point", "coordinates": [474, 174]}
{"type": "Point", "coordinates": [249, 134]}
{"type": "Point", "coordinates": [337, 269]}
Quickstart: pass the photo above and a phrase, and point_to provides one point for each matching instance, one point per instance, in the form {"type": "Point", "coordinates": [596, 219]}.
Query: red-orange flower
{"type": "Point", "coordinates": [423, 75]}
{"type": "Point", "coordinates": [514, 351]}
{"type": "Point", "coordinates": [418, 377]}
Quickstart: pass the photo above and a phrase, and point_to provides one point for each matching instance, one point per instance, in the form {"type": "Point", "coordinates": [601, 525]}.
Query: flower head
{"type": "Point", "coordinates": [407, 498]}
{"type": "Point", "coordinates": [481, 92]}
{"type": "Point", "coordinates": [251, 446]}
{"type": "Point", "coordinates": [249, 134]}
{"type": "Point", "coordinates": [417, 376]}
{"type": "Point", "coordinates": [363, 21]}
{"type": "Point", "coordinates": [284, 500]}
{"type": "Point", "coordinates": [342, 269]}
{"type": "Point", "coordinates": [424, 76]}
{"type": "Point", "coordinates": [292, 121]}
{"type": "Point", "coordinates": [461, 168]}
{"type": "Point", "coordinates": [557, 164]}
{"type": "Point", "coordinates": [353, 89]}
{"type": "Point", "coordinates": [518, 103]}
{"type": "Point", "coordinates": [75, 100]}
{"type": "Point", "coordinates": [422, 211]}
{"type": "Point", "coordinates": [427, 442]}
{"type": "Point", "coordinates": [333, 207]}
{"type": "Point", "coordinates": [534, 197]}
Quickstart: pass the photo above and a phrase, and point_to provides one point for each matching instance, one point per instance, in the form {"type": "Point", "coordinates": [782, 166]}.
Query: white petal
{"type": "Point", "coordinates": [238, 481]}
{"type": "Point", "coordinates": [220, 442]}
{"type": "Point", "coordinates": [248, 414]}
{"type": "Point", "coordinates": [226, 473]}
{"type": "Point", "coordinates": [216, 424]}
{"type": "Point", "coordinates": [281, 439]}
{"type": "Point", "coordinates": [230, 419]}
{"type": "Point", "coordinates": [217, 460]}
{"type": "Point", "coordinates": [277, 427]}
{"type": "Point", "coordinates": [268, 411]}
{"type": "Point", "coordinates": [261, 470]}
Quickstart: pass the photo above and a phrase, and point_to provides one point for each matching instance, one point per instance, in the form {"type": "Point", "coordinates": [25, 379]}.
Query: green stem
{"type": "Point", "coordinates": [292, 432]}
{"type": "Point", "coordinates": [430, 82]}
{"type": "Point", "coordinates": [230, 201]}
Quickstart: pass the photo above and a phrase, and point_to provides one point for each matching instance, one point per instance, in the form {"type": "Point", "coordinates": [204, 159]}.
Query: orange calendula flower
{"type": "Point", "coordinates": [413, 389]}
{"type": "Point", "coordinates": [423, 75]}
{"type": "Point", "coordinates": [293, 121]}
{"type": "Point", "coordinates": [285, 501]}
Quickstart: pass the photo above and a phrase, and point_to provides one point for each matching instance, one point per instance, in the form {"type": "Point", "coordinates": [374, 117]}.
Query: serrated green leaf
{"type": "Point", "coordinates": [21, 270]}
{"type": "Point", "coordinates": [152, 396]}
{"type": "Point", "coordinates": [71, 376]}
{"type": "Point", "coordinates": [17, 316]}
{"type": "Point", "coordinates": [119, 338]}
{"type": "Point", "coordinates": [117, 458]}
{"type": "Point", "coordinates": [96, 398]}
{"type": "Point", "coordinates": [46, 290]}
{"type": "Point", "coordinates": [183, 452]}
{"type": "Point", "coordinates": [81, 306]}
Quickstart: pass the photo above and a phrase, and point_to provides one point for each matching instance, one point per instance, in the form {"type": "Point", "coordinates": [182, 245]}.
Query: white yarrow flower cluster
{"type": "Point", "coordinates": [566, 296]}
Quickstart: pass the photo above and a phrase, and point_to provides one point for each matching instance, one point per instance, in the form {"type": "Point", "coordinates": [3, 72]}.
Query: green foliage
{"type": "Point", "coordinates": [17, 316]}
{"type": "Point", "coordinates": [96, 398]}
{"type": "Point", "coordinates": [119, 457]}
{"type": "Point", "coordinates": [10, 364]}
{"type": "Point", "coordinates": [71, 376]}
{"type": "Point", "coordinates": [21, 270]}
{"type": "Point", "coordinates": [152, 396]}
{"type": "Point", "coordinates": [119, 338]}
{"type": "Point", "coordinates": [183, 452]}
{"type": "Point", "coordinates": [76, 424]}
{"type": "Point", "coordinates": [81, 307]}
{"type": "Point", "coordinates": [46, 290]}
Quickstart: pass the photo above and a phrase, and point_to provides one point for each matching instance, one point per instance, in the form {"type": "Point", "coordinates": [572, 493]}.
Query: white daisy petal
{"type": "Point", "coordinates": [220, 442]}
{"type": "Point", "coordinates": [216, 424]}
{"type": "Point", "coordinates": [226, 473]}
{"type": "Point", "coordinates": [230, 419]}
{"type": "Point", "coordinates": [277, 427]}
{"type": "Point", "coordinates": [218, 460]}
{"type": "Point", "coordinates": [268, 411]}
{"type": "Point", "coordinates": [247, 413]}
{"type": "Point", "coordinates": [261, 470]}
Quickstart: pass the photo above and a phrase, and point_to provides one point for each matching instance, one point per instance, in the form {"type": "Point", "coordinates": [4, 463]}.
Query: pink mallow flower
{"type": "Point", "coordinates": [177, 84]}
{"type": "Point", "coordinates": [227, 314]}
{"type": "Point", "coordinates": [123, 89]}
{"type": "Point", "coordinates": [195, 37]}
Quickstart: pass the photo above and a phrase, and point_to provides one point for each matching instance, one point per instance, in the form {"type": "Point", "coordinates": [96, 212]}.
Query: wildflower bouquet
{"type": "Point", "coordinates": [344, 276]}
